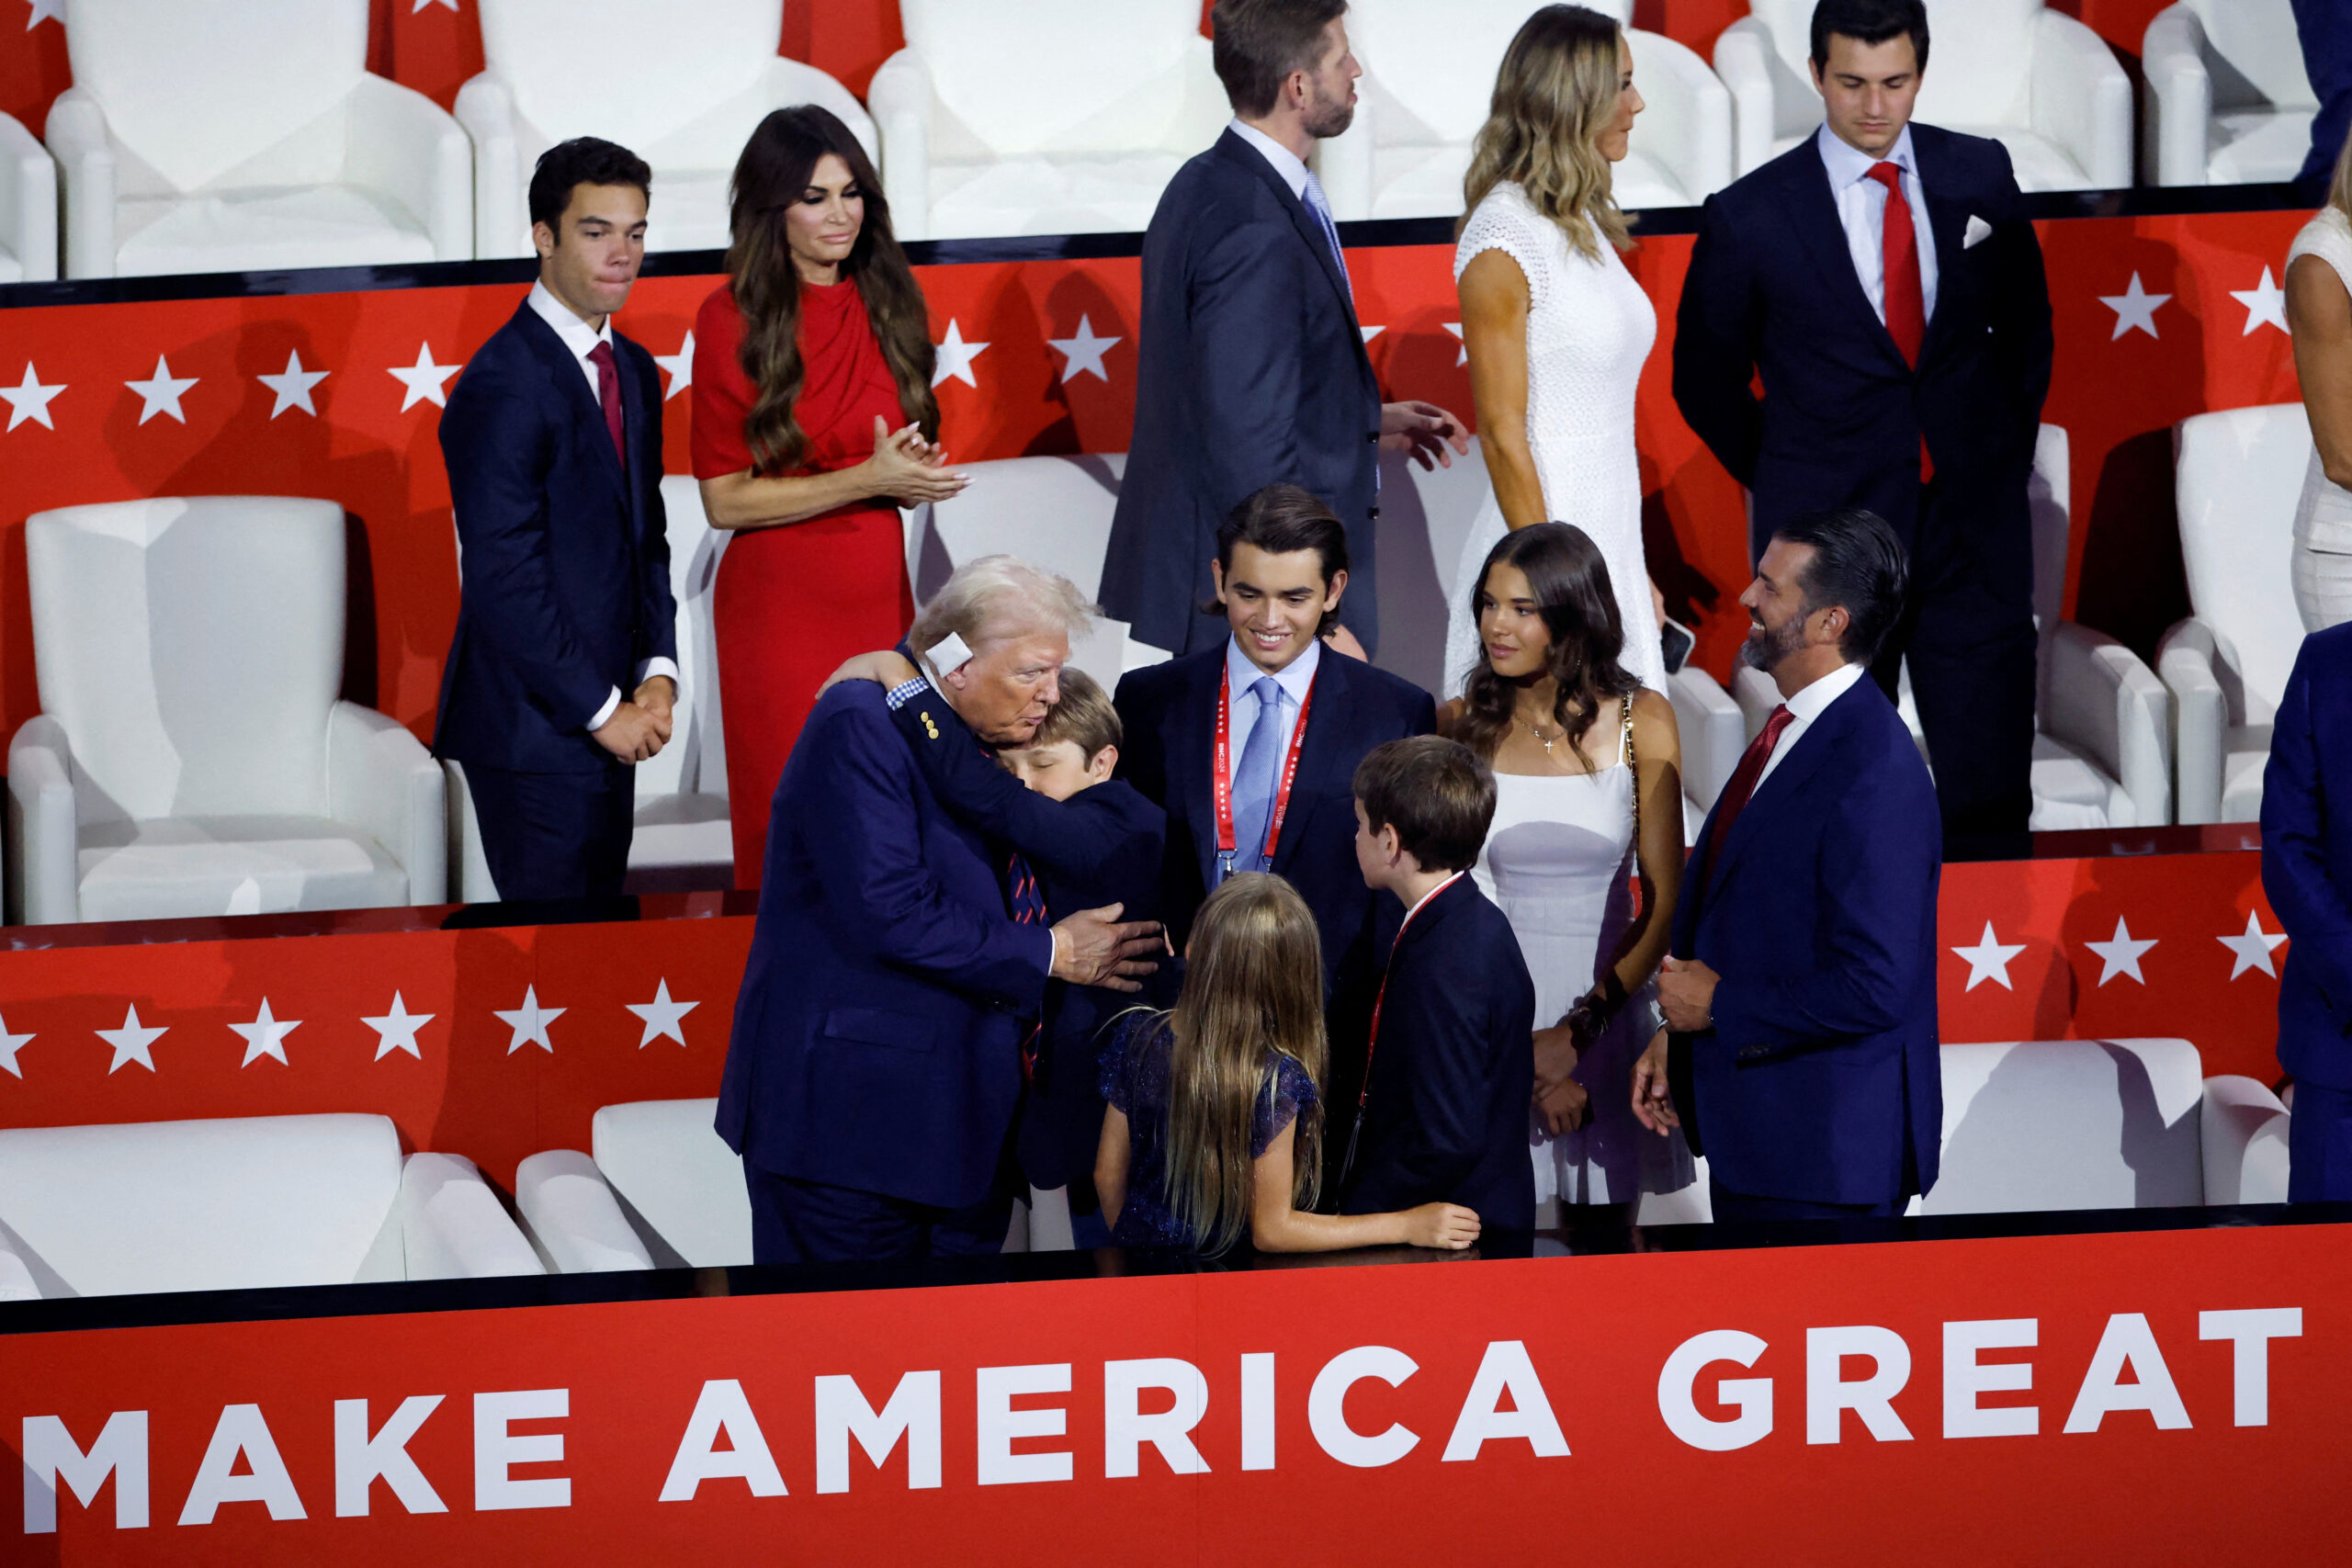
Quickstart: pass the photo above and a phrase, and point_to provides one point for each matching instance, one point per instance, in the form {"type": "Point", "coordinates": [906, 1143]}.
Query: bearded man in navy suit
{"type": "Point", "coordinates": [1884, 279]}
{"type": "Point", "coordinates": [1804, 1059]}
{"type": "Point", "coordinates": [563, 669]}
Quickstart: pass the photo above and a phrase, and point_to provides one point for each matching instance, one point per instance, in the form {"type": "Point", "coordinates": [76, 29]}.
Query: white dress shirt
{"type": "Point", "coordinates": [1293, 681]}
{"type": "Point", "coordinates": [1861, 209]}
{"type": "Point", "coordinates": [1286, 162]}
{"type": "Point", "coordinates": [582, 340]}
{"type": "Point", "coordinates": [1806, 706]}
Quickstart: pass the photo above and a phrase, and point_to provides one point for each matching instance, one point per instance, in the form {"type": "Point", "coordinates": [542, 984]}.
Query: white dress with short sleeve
{"type": "Point", "coordinates": [2323, 518]}
{"type": "Point", "coordinates": [1589, 330]}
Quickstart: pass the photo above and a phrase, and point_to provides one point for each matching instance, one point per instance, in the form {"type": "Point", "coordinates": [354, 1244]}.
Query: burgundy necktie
{"type": "Point", "coordinates": [608, 392]}
{"type": "Point", "coordinates": [1906, 300]}
{"type": "Point", "coordinates": [1742, 784]}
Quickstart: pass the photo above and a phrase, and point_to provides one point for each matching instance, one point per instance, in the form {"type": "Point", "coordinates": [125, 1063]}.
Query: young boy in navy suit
{"type": "Point", "coordinates": [1091, 841]}
{"type": "Point", "coordinates": [1445, 1114]}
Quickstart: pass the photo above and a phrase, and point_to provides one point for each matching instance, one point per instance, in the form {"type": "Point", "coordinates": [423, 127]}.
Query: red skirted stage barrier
{"type": "Point", "coordinates": [2158, 318]}
{"type": "Point", "coordinates": [498, 1044]}
{"type": "Point", "coordinates": [2164, 1397]}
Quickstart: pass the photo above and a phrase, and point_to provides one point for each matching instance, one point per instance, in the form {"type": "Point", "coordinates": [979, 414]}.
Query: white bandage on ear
{"type": "Point", "coordinates": [951, 652]}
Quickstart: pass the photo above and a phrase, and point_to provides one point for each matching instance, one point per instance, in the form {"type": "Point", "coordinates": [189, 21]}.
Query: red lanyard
{"type": "Point", "coordinates": [1380, 997]}
{"type": "Point", "coordinates": [1223, 776]}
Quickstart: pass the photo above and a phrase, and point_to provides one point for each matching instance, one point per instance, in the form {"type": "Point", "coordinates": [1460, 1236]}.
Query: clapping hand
{"type": "Point", "coordinates": [1424, 432]}
{"type": "Point", "coordinates": [908, 469]}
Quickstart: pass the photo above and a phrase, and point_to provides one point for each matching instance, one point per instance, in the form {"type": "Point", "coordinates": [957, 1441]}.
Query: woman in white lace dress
{"type": "Point", "coordinates": [2319, 308]}
{"type": "Point", "coordinates": [1557, 328]}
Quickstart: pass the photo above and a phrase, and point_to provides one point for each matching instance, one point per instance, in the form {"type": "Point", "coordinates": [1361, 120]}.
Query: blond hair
{"type": "Point", "coordinates": [1253, 991]}
{"type": "Point", "coordinates": [1556, 95]}
{"type": "Point", "coordinates": [996, 597]}
{"type": "Point", "coordinates": [1082, 716]}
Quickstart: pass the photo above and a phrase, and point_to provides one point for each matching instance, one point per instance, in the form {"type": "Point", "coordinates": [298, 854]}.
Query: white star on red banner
{"type": "Point", "coordinates": [1084, 352]}
{"type": "Point", "coordinates": [30, 399]}
{"type": "Point", "coordinates": [133, 1042]}
{"type": "Point", "coordinates": [955, 357]}
{"type": "Point", "coordinates": [529, 1022]}
{"type": "Point", "coordinates": [2135, 309]}
{"type": "Point", "coordinates": [425, 380]}
{"type": "Point", "coordinates": [1464, 357]}
{"type": "Point", "coordinates": [1371, 333]}
{"type": "Point", "coordinates": [265, 1036]}
{"type": "Point", "coordinates": [2120, 954]}
{"type": "Point", "coordinates": [396, 1031]}
{"type": "Point", "coordinates": [47, 10]}
{"type": "Point", "coordinates": [680, 367]}
{"type": "Point", "coordinates": [1989, 960]}
{"type": "Point", "coordinates": [161, 392]}
{"type": "Point", "coordinates": [9, 1045]}
{"type": "Point", "coordinates": [2253, 950]}
{"type": "Point", "coordinates": [2266, 304]}
{"type": "Point", "coordinates": [293, 386]}
{"type": "Point", "coordinates": [663, 1018]}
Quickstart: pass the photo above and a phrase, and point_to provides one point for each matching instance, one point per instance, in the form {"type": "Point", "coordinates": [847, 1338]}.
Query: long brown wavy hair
{"type": "Point", "coordinates": [776, 169]}
{"type": "Point", "coordinates": [1253, 990]}
{"type": "Point", "coordinates": [1555, 96]}
{"type": "Point", "coordinates": [1570, 582]}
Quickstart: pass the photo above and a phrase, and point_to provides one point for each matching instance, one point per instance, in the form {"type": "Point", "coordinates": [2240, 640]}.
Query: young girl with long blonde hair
{"type": "Point", "coordinates": [1216, 1118]}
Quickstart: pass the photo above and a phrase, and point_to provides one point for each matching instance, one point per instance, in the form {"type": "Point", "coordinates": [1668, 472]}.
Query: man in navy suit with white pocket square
{"type": "Point", "coordinates": [1884, 279]}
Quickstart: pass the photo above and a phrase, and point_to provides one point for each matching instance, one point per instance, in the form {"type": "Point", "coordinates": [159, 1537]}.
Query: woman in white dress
{"type": "Point", "coordinates": [2319, 310]}
{"type": "Point", "coordinates": [1588, 805]}
{"type": "Point", "coordinates": [1557, 329]}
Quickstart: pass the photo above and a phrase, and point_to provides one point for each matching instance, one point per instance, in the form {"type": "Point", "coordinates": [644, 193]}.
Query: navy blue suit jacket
{"type": "Point", "coordinates": [1170, 714]}
{"type": "Point", "coordinates": [1103, 846]}
{"type": "Point", "coordinates": [566, 561]}
{"type": "Point", "coordinates": [1821, 1079]}
{"type": "Point", "coordinates": [878, 1035]}
{"type": "Point", "coordinates": [1452, 1071]}
{"type": "Point", "coordinates": [2307, 858]}
{"type": "Point", "coordinates": [1250, 369]}
{"type": "Point", "coordinates": [1772, 288]}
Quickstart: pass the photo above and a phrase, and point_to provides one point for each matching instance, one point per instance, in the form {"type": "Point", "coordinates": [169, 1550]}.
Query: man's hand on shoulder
{"type": "Point", "coordinates": [886, 668]}
{"type": "Point", "coordinates": [1094, 948]}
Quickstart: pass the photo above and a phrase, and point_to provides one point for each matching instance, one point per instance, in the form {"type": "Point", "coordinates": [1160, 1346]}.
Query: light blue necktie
{"type": "Point", "coordinates": [1320, 206]}
{"type": "Point", "coordinates": [1253, 780]}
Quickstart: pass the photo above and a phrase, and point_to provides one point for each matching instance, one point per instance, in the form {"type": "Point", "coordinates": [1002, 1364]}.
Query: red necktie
{"type": "Point", "coordinates": [1907, 301]}
{"type": "Point", "coordinates": [1742, 784]}
{"type": "Point", "coordinates": [608, 392]}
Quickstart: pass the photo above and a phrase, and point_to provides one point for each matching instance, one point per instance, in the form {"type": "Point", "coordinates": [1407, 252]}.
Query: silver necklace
{"type": "Point", "coordinates": [1548, 741]}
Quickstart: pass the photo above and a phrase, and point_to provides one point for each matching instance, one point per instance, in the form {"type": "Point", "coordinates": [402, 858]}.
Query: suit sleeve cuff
{"type": "Point", "coordinates": [604, 714]}
{"type": "Point", "coordinates": [657, 665]}
{"type": "Point", "coordinates": [1052, 950]}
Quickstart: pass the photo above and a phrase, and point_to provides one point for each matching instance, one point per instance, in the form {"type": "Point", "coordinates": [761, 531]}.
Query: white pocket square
{"type": "Point", "coordinates": [1978, 233]}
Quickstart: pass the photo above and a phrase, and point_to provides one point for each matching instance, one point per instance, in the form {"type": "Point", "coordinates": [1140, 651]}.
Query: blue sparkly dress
{"type": "Point", "coordinates": [1135, 1079]}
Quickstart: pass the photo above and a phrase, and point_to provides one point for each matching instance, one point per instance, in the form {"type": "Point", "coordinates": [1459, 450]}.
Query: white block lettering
{"type": "Point", "coordinates": [1000, 1424]}
{"type": "Point", "coordinates": [912, 1413]}
{"type": "Point", "coordinates": [360, 1460]}
{"type": "Point", "coordinates": [1125, 1428]}
{"type": "Point", "coordinates": [50, 1454]}
{"type": "Point", "coordinates": [1327, 1413]}
{"type": "Point", "coordinates": [1752, 1397]}
{"type": "Point", "coordinates": [2252, 1331]}
{"type": "Point", "coordinates": [1827, 1394]}
{"type": "Point", "coordinates": [2127, 1342]}
{"type": "Point", "coordinates": [496, 1451]}
{"type": "Point", "coordinates": [1965, 1377]}
{"type": "Point", "coordinates": [241, 1431]}
{"type": "Point", "coordinates": [1505, 1369]}
{"type": "Point", "coordinates": [721, 1407]}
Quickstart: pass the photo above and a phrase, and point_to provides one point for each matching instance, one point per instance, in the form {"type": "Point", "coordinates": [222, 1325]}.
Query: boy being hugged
{"type": "Point", "coordinates": [1444, 1113]}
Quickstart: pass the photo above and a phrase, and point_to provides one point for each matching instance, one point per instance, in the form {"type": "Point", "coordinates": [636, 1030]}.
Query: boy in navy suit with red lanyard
{"type": "Point", "coordinates": [1444, 1109]}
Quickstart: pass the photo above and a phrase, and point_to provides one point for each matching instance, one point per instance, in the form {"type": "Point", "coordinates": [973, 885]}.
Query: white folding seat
{"type": "Point", "coordinates": [2229, 102]}
{"type": "Point", "coordinates": [2237, 478]}
{"type": "Point", "coordinates": [660, 1189]}
{"type": "Point", "coordinates": [697, 78]}
{"type": "Point", "coordinates": [28, 206]}
{"type": "Point", "coordinates": [247, 138]}
{"type": "Point", "coordinates": [2101, 1124]}
{"type": "Point", "coordinates": [2038, 82]}
{"type": "Point", "coordinates": [1041, 117]}
{"type": "Point", "coordinates": [1429, 68]}
{"type": "Point", "coordinates": [240, 1203]}
{"type": "Point", "coordinates": [683, 839]}
{"type": "Point", "coordinates": [191, 757]}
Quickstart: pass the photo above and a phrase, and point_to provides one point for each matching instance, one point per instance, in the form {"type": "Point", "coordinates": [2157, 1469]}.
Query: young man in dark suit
{"type": "Point", "coordinates": [563, 669]}
{"type": "Point", "coordinates": [1295, 718]}
{"type": "Point", "coordinates": [1445, 1105]}
{"type": "Point", "coordinates": [1252, 366]}
{"type": "Point", "coordinates": [1804, 1059]}
{"type": "Point", "coordinates": [1883, 278]}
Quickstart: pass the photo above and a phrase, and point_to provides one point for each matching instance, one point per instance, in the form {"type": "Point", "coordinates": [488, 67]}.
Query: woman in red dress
{"type": "Point", "coordinates": [813, 423]}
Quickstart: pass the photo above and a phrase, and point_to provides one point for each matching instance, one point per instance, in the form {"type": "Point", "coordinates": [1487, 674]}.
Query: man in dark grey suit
{"type": "Point", "coordinates": [1252, 367]}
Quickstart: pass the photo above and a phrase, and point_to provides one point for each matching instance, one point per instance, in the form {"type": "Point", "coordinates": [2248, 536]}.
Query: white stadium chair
{"type": "Point", "coordinates": [683, 840]}
{"type": "Point", "coordinates": [191, 757]}
{"type": "Point", "coordinates": [2237, 478]}
{"type": "Point", "coordinates": [1429, 68]}
{"type": "Point", "coordinates": [240, 1203]}
{"type": "Point", "coordinates": [248, 138]}
{"type": "Point", "coordinates": [661, 1191]}
{"type": "Point", "coordinates": [2102, 1124]}
{"type": "Point", "coordinates": [1041, 117]}
{"type": "Point", "coordinates": [2038, 82]}
{"type": "Point", "coordinates": [699, 77]}
{"type": "Point", "coordinates": [28, 206]}
{"type": "Point", "coordinates": [2229, 102]}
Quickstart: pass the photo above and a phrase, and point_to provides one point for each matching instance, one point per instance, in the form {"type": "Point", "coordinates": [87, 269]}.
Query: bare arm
{"type": "Point", "coordinates": [2320, 312]}
{"type": "Point", "coordinates": [1657, 748]}
{"type": "Point", "coordinates": [1495, 302]}
{"type": "Point", "coordinates": [905, 469]}
{"type": "Point", "coordinates": [1111, 1159]}
{"type": "Point", "coordinates": [1275, 1227]}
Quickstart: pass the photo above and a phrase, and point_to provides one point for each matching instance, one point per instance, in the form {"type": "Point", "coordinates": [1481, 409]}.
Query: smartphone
{"type": "Point", "coordinates": [1678, 642]}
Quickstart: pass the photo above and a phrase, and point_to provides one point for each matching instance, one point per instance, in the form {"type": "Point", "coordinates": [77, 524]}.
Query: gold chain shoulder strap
{"type": "Point", "coordinates": [1634, 770]}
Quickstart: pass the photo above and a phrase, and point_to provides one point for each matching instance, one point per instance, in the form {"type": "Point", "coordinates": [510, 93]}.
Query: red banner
{"type": "Point", "coordinates": [2153, 1398]}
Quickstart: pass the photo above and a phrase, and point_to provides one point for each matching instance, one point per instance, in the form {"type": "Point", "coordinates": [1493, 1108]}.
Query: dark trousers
{"type": "Point", "coordinates": [807, 1222]}
{"type": "Point", "coordinates": [1968, 634]}
{"type": "Point", "coordinates": [2319, 1145]}
{"type": "Point", "coordinates": [2325, 28]}
{"type": "Point", "coordinates": [555, 835]}
{"type": "Point", "coordinates": [1739, 1208]}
